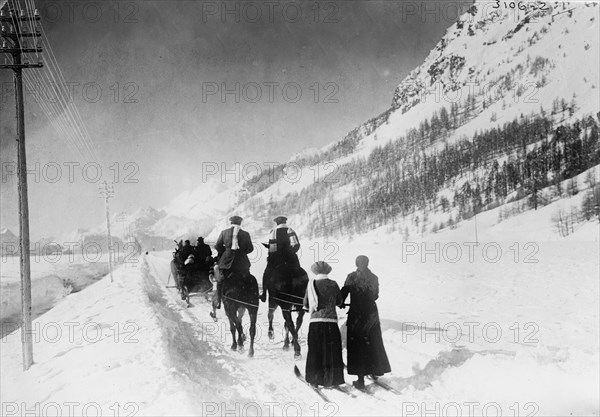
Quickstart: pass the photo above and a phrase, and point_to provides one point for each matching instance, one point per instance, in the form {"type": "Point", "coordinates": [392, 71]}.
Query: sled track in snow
{"type": "Point", "coordinates": [201, 347]}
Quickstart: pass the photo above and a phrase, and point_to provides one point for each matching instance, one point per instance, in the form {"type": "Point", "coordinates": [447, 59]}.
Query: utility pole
{"type": "Point", "coordinates": [12, 45]}
{"type": "Point", "coordinates": [107, 191]}
{"type": "Point", "coordinates": [476, 239]}
{"type": "Point", "coordinates": [122, 217]}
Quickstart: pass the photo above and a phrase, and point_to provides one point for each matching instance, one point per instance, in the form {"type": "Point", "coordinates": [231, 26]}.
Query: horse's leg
{"type": "Point", "coordinates": [240, 329]}
{"type": "Point", "coordinates": [253, 312]}
{"type": "Point", "coordinates": [286, 339]}
{"type": "Point", "coordinates": [232, 327]}
{"type": "Point", "coordinates": [241, 335]}
{"type": "Point", "coordinates": [299, 319]}
{"type": "Point", "coordinates": [287, 315]}
{"type": "Point", "coordinates": [272, 307]}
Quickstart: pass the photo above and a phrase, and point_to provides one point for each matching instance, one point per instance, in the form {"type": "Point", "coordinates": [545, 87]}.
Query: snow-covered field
{"type": "Point", "coordinates": [514, 333]}
{"type": "Point", "coordinates": [53, 278]}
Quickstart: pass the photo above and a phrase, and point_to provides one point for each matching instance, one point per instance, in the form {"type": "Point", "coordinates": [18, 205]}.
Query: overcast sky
{"type": "Point", "coordinates": [147, 78]}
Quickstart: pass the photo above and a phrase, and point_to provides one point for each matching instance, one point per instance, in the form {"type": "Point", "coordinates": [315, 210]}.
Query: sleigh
{"type": "Point", "coordinates": [190, 280]}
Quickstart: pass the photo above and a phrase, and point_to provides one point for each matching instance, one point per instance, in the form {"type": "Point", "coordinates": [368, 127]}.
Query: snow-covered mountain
{"type": "Point", "coordinates": [195, 212]}
{"type": "Point", "coordinates": [495, 77]}
{"type": "Point", "coordinates": [476, 127]}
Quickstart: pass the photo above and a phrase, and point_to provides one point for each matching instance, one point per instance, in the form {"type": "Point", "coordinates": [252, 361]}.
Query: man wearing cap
{"type": "Point", "coordinates": [233, 247]}
{"type": "Point", "coordinates": [283, 245]}
{"type": "Point", "coordinates": [203, 254]}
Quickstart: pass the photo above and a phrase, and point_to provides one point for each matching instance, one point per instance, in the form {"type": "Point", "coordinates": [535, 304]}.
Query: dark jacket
{"type": "Point", "coordinates": [329, 296]}
{"type": "Point", "coordinates": [235, 260]}
{"type": "Point", "coordinates": [363, 287]}
{"type": "Point", "coordinates": [282, 249]}
{"type": "Point", "coordinates": [186, 251]}
{"type": "Point", "coordinates": [203, 255]}
{"type": "Point", "coordinates": [365, 349]}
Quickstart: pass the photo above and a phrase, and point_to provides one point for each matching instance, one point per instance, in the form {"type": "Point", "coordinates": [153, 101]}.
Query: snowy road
{"type": "Point", "coordinates": [145, 353]}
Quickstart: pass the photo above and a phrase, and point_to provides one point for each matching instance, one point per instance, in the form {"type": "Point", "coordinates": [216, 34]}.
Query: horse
{"type": "Point", "coordinates": [240, 293]}
{"type": "Point", "coordinates": [194, 280]}
{"type": "Point", "coordinates": [287, 286]}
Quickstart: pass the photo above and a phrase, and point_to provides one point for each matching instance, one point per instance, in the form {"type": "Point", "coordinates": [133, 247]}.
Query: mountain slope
{"type": "Point", "coordinates": [479, 125]}
{"type": "Point", "coordinates": [501, 72]}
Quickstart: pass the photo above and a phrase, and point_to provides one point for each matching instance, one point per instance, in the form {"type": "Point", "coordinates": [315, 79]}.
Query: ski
{"type": "Point", "coordinates": [345, 391]}
{"type": "Point", "coordinates": [315, 389]}
{"type": "Point", "coordinates": [384, 386]}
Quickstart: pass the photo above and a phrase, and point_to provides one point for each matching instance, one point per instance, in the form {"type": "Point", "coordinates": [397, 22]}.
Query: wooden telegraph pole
{"type": "Point", "coordinates": [13, 45]}
{"type": "Point", "coordinates": [107, 191]}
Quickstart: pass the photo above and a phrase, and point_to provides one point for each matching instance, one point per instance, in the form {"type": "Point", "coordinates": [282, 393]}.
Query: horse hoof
{"type": "Point", "coordinates": [271, 335]}
{"type": "Point", "coordinates": [234, 347]}
{"type": "Point", "coordinates": [251, 353]}
{"type": "Point", "coordinates": [286, 347]}
{"type": "Point", "coordinates": [297, 355]}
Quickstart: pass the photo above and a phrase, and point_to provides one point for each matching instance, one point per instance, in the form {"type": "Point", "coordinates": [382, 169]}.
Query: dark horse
{"type": "Point", "coordinates": [287, 286]}
{"type": "Point", "coordinates": [240, 293]}
{"type": "Point", "coordinates": [194, 281]}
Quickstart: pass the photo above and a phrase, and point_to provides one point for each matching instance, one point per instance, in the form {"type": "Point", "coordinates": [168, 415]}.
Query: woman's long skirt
{"type": "Point", "coordinates": [364, 345]}
{"type": "Point", "coordinates": [324, 364]}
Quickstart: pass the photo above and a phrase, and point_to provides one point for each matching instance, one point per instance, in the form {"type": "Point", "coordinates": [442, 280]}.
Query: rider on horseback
{"type": "Point", "coordinates": [233, 247]}
{"type": "Point", "coordinates": [283, 245]}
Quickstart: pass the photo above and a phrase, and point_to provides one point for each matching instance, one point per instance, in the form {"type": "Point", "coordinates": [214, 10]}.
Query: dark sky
{"type": "Point", "coordinates": [161, 55]}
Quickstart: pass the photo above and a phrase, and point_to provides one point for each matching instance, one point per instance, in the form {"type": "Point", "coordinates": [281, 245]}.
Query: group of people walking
{"type": "Point", "coordinates": [366, 354]}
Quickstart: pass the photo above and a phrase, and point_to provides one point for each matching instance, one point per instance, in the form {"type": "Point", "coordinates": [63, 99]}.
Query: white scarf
{"type": "Point", "coordinates": [311, 291]}
{"type": "Point", "coordinates": [234, 242]}
{"type": "Point", "coordinates": [273, 240]}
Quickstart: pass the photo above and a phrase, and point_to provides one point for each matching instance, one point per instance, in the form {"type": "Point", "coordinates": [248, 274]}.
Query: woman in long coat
{"type": "Point", "coordinates": [324, 363]}
{"type": "Point", "coordinates": [364, 345]}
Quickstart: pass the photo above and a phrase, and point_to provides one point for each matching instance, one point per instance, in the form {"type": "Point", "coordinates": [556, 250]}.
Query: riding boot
{"type": "Point", "coordinates": [360, 382]}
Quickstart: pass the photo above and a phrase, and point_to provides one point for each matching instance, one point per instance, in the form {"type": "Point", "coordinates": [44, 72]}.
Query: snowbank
{"type": "Point", "coordinates": [50, 283]}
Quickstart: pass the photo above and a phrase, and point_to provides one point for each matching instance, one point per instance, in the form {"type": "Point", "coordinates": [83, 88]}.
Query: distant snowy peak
{"type": "Point", "coordinates": [7, 236]}
{"type": "Point", "coordinates": [487, 42]}
{"type": "Point", "coordinates": [203, 201]}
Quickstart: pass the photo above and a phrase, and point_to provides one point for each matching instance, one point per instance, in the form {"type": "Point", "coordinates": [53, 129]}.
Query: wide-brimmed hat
{"type": "Point", "coordinates": [320, 267]}
{"type": "Point", "coordinates": [235, 220]}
